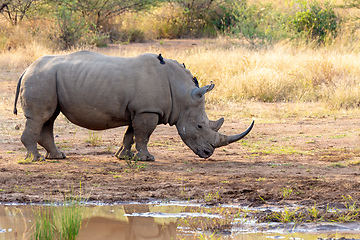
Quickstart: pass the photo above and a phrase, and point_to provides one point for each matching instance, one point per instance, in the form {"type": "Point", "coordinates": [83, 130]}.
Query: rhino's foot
{"type": "Point", "coordinates": [124, 154]}
{"type": "Point", "coordinates": [34, 158]}
{"type": "Point", "coordinates": [145, 156]}
{"type": "Point", "coordinates": [57, 155]}
{"type": "Point", "coordinates": [39, 159]}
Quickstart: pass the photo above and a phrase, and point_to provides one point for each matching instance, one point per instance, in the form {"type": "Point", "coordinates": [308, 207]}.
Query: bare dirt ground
{"type": "Point", "coordinates": [297, 159]}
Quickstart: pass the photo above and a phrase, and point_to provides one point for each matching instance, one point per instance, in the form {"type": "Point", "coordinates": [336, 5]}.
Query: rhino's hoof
{"type": "Point", "coordinates": [58, 155]}
{"type": "Point", "coordinates": [125, 154]}
{"type": "Point", "coordinates": [38, 159]}
{"type": "Point", "coordinates": [145, 158]}
{"type": "Point", "coordinates": [34, 158]}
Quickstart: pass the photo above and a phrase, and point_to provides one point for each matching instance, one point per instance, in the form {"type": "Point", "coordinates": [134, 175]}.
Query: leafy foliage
{"type": "Point", "coordinates": [98, 22]}
{"type": "Point", "coordinates": [316, 21]}
{"type": "Point", "coordinates": [251, 21]}
{"type": "Point", "coordinates": [70, 26]}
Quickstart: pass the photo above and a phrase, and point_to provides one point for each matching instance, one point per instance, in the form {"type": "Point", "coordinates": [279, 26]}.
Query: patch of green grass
{"type": "Point", "coordinates": [260, 179]}
{"type": "Point", "coordinates": [133, 165]}
{"type": "Point", "coordinates": [21, 189]}
{"type": "Point", "coordinates": [115, 174]}
{"type": "Point", "coordinates": [159, 143]}
{"type": "Point", "coordinates": [263, 148]}
{"type": "Point", "coordinates": [204, 236]}
{"type": "Point", "coordinates": [338, 136]}
{"type": "Point", "coordinates": [94, 138]}
{"type": "Point", "coordinates": [350, 204]}
{"type": "Point", "coordinates": [43, 227]}
{"type": "Point", "coordinates": [338, 154]}
{"type": "Point", "coordinates": [354, 162]}
{"type": "Point", "coordinates": [69, 220]}
{"type": "Point", "coordinates": [274, 165]}
{"type": "Point", "coordinates": [286, 192]}
{"type": "Point", "coordinates": [25, 161]}
{"type": "Point", "coordinates": [288, 215]}
{"type": "Point", "coordinates": [337, 165]}
{"type": "Point", "coordinates": [212, 196]}
{"type": "Point", "coordinates": [58, 222]}
{"type": "Point", "coordinates": [314, 213]}
{"type": "Point", "coordinates": [281, 150]}
{"type": "Point", "coordinates": [28, 160]}
{"type": "Point", "coordinates": [347, 216]}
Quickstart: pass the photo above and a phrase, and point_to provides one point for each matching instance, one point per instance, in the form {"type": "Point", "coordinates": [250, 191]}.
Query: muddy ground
{"type": "Point", "coordinates": [283, 160]}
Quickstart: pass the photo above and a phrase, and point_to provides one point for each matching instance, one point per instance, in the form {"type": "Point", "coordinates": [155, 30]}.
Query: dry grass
{"type": "Point", "coordinates": [281, 73]}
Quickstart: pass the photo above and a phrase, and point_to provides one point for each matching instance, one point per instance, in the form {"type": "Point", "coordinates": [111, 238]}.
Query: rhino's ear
{"type": "Point", "coordinates": [196, 82]}
{"type": "Point", "coordinates": [197, 93]}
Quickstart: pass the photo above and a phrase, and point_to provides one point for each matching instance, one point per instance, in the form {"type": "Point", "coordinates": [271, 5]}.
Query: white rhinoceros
{"type": "Point", "coordinates": [100, 92]}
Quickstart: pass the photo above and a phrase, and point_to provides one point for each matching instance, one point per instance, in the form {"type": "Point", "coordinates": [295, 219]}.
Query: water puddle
{"type": "Point", "coordinates": [160, 221]}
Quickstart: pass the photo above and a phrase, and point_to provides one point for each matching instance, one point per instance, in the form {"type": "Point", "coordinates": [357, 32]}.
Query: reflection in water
{"type": "Point", "coordinates": [134, 228]}
{"type": "Point", "coordinates": [15, 222]}
{"type": "Point", "coordinates": [162, 222]}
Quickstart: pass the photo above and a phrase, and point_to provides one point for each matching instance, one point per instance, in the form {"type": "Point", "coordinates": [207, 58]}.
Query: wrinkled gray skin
{"type": "Point", "coordinates": [100, 92]}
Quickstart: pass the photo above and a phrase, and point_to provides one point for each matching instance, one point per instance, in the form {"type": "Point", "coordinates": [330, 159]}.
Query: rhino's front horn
{"type": "Point", "coordinates": [216, 125]}
{"type": "Point", "coordinates": [197, 93]}
{"type": "Point", "coordinates": [225, 140]}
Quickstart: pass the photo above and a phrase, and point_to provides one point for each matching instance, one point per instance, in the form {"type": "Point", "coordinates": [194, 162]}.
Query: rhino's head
{"type": "Point", "coordinates": [197, 131]}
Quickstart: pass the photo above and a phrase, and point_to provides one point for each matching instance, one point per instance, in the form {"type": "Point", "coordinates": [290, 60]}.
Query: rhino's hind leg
{"type": "Point", "coordinates": [30, 137]}
{"type": "Point", "coordinates": [47, 139]}
{"type": "Point", "coordinates": [144, 124]}
{"type": "Point", "coordinates": [125, 151]}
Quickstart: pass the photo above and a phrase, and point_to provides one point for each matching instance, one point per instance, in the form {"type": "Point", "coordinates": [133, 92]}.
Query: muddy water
{"type": "Point", "coordinates": [170, 221]}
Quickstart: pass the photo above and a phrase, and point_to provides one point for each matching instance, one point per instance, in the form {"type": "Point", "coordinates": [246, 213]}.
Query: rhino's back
{"type": "Point", "coordinates": [99, 92]}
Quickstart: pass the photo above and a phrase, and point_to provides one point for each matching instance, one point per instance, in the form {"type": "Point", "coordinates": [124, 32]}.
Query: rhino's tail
{"type": "Point", "coordinates": [17, 92]}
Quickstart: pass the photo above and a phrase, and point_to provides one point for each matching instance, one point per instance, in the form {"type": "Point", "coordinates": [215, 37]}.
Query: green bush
{"type": "Point", "coordinates": [70, 25]}
{"type": "Point", "coordinates": [254, 22]}
{"type": "Point", "coordinates": [315, 21]}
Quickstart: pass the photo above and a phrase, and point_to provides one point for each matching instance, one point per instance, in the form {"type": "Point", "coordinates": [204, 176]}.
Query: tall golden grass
{"type": "Point", "coordinates": [280, 73]}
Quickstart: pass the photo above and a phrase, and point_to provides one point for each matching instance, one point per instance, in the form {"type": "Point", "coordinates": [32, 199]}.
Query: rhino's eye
{"type": "Point", "coordinates": [199, 127]}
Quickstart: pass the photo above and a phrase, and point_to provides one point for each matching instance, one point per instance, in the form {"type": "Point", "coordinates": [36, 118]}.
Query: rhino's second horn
{"type": "Point", "coordinates": [197, 93]}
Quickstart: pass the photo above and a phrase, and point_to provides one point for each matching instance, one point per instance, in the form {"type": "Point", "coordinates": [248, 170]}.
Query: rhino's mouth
{"type": "Point", "coordinates": [204, 153]}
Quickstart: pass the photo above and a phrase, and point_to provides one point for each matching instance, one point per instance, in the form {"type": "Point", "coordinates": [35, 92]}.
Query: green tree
{"type": "Point", "coordinates": [86, 20]}
{"type": "Point", "coordinates": [256, 23]}
{"type": "Point", "coordinates": [99, 12]}
{"type": "Point", "coordinates": [70, 25]}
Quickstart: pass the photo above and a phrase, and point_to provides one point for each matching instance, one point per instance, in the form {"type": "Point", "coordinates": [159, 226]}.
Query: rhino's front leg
{"type": "Point", "coordinates": [144, 124]}
{"type": "Point", "coordinates": [125, 151]}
